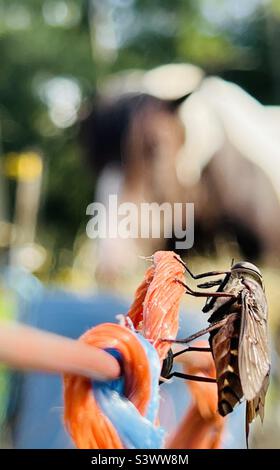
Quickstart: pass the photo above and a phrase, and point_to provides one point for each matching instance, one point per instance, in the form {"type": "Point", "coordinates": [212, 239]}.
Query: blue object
{"type": "Point", "coordinates": [135, 431]}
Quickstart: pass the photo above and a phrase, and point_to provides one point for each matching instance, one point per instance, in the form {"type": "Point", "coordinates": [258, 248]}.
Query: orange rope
{"type": "Point", "coordinates": [155, 314]}
{"type": "Point", "coordinates": [87, 425]}
{"type": "Point", "coordinates": [155, 310]}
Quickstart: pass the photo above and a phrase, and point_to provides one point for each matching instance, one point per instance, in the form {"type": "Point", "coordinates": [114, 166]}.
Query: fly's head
{"type": "Point", "coordinates": [247, 271]}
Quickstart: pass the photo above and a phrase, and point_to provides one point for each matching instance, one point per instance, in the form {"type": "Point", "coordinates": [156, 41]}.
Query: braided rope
{"type": "Point", "coordinates": [121, 413]}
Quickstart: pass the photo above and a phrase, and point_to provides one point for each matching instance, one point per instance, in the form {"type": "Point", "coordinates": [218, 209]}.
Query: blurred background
{"type": "Point", "coordinates": [87, 110]}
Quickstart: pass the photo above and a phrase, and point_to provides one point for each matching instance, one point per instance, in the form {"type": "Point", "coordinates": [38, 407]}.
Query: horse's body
{"type": "Point", "coordinates": [197, 150]}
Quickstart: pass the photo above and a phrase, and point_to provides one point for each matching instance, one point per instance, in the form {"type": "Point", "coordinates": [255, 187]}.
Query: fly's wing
{"type": "Point", "coordinates": [253, 356]}
{"type": "Point", "coordinates": [255, 407]}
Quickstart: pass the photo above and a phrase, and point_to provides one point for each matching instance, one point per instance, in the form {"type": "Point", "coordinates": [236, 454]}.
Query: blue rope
{"type": "Point", "coordinates": [135, 431]}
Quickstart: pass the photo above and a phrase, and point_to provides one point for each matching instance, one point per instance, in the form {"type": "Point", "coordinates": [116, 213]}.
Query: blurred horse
{"type": "Point", "coordinates": [132, 143]}
{"type": "Point", "coordinates": [216, 147]}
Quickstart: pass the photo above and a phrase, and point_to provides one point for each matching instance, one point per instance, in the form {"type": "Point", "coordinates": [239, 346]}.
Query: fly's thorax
{"type": "Point", "coordinates": [252, 282]}
{"type": "Point", "coordinates": [218, 307]}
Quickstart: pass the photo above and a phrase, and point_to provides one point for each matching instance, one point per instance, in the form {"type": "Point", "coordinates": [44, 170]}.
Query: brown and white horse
{"type": "Point", "coordinates": [216, 147]}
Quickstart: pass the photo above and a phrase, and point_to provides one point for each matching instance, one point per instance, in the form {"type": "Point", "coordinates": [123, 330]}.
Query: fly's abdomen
{"type": "Point", "coordinates": [225, 353]}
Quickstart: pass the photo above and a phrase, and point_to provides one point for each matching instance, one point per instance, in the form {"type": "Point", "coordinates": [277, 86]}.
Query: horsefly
{"type": "Point", "coordinates": [238, 337]}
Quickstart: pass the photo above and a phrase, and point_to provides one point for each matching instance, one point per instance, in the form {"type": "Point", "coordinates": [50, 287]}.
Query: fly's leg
{"type": "Point", "coordinates": [190, 349]}
{"type": "Point", "coordinates": [204, 294]}
{"type": "Point", "coordinates": [207, 285]}
{"type": "Point", "coordinates": [210, 328]}
{"type": "Point", "coordinates": [200, 276]}
{"type": "Point", "coordinates": [195, 378]}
